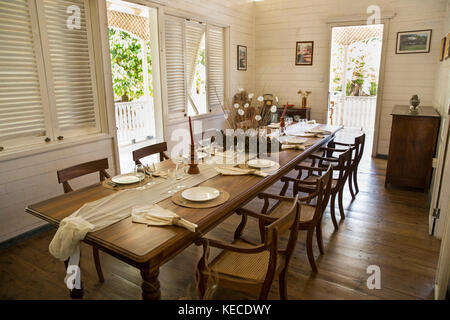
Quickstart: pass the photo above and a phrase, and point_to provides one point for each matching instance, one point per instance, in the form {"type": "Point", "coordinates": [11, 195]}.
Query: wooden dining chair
{"type": "Point", "coordinates": [341, 167]}
{"type": "Point", "coordinates": [312, 207]}
{"type": "Point", "coordinates": [207, 137]}
{"type": "Point", "coordinates": [79, 170]}
{"type": "Point", "coordinates": [160, 148]}
{"type": "Point", "coordinates": [358, 146]}
{"type": "Point", "coordinates": [247, 266]}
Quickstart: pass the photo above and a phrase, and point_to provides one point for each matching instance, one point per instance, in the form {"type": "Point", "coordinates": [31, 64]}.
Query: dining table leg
{"type": "Point", "coordinates": [150, 284]}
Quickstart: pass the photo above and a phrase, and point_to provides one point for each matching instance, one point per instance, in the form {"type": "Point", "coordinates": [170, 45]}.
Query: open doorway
{"type": "Point", "coordinates": [132, 43]}
{"type": "Point", "coordinates": [354, 78]}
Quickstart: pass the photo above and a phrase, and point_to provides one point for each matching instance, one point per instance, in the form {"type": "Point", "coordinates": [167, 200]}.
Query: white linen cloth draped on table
{"type": "Point", "coordinates": [96, 215]}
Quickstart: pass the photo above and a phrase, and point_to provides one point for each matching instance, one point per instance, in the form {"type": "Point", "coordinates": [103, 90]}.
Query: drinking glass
{"type": "Point", "coordinates": [180, 173]}
{"type": "Point", "coordinates": [150, 169]}
{"type": "Point", "coordinates": [139, 171]}
{"type": "Point", "coordinates": [171, 176]}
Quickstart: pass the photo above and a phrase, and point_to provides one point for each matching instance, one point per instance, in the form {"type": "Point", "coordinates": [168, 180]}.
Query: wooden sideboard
{"type": "Point", "coordinates": [304, 113]}
{"type": "Point", "coordinates": [412, 147]}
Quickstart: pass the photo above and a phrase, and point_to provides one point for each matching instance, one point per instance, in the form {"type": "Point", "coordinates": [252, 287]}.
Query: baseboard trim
{"type": "Point", "coordinates": [24, 236]}
{"type": "Point", "coordinates": [381, 156]}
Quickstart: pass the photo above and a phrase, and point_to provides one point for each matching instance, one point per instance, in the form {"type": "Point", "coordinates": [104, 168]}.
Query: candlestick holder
{"type": "Point", "coordinates": [193, 166]}
{"type": "Point", "coordinates": [281, 125]}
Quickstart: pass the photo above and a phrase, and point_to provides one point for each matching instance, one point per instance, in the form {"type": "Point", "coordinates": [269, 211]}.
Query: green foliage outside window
{"type": "Point", "coordinates": [126, 65]}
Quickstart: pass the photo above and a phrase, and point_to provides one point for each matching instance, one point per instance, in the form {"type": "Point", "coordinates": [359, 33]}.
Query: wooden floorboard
{"type": "Point", "coordinates": [383, 227]}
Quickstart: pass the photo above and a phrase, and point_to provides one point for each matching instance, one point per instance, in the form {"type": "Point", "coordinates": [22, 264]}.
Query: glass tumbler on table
{"type": "Point", "coordinates": [171, 176]}
{"type": "Point", "coordinates": [139, 171]}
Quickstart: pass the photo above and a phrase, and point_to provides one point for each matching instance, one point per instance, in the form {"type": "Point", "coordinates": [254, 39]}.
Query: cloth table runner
{"type": "Point", "coordinates": [101, 213]}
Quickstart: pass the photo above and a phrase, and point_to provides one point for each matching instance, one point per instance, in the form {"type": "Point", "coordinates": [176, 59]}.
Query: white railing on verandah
{"type": "Point", "coordinates": [134, 121]}
{"type": "Point", "coordinates": [355, 112]}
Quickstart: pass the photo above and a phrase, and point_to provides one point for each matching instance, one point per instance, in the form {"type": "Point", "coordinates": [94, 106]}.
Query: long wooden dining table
{"type": "Point", "coordinates": [148, 248]}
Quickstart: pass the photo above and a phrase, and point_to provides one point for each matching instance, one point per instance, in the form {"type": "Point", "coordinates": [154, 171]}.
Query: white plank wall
{"type": "Point", "coordinates": [279, 24]}
{"type": "Point", "coordinates": [33, 178]}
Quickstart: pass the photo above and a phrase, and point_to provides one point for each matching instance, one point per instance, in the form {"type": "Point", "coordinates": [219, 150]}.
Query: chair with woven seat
{"type": "Point", "coordinates": [341, 167]}
{"type": "Point", "coordinates": [247, 266]}
{"type": "Point", "coordinates": [79, 170]}
{"type": "Point", "coordinates": [160, 148]}
{"type": "Point", "coordinates": [311, 217]}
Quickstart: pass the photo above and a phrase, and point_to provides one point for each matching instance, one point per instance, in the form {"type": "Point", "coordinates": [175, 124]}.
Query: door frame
{"type": "Point", "coordinates": [360, 21]}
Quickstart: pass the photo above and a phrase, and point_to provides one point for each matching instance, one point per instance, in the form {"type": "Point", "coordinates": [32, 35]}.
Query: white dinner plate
{"type": "Point", "coordinates": [296, 140]}
{"type": "Point", "coordinates": [200, 155]}
{"type": "Point", "coordinates": [261, 163]}
{"type": "Point", "coordinates": [319, 131]}
{"type": "Point", "coordinates": [127, 178]}
{"type": "Point", "coordinates": [200, 194]}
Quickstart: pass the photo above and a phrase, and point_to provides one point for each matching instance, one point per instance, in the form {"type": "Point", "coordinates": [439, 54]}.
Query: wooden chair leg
{"type": "Point", "coordinates": [201, 285]}
{"type": "Point", "coordinates": [282, 284]}
{"type": "Point", "coordinates": [76, 294]}
{"type": "Point", "coordinates": [350, 185]}
{"type": "Point", "coordinates": [332, 211]}
{"type": "Point", "coordinates": [355, 180]}
{"type": "Point", "coordinates": [341, 206]}
{"type": "Point", "coordinates": [319, 236]}
{"type": "Point", "coordinates": [98, 266]}
{"type": "Point", "coordinates": [309, 250]}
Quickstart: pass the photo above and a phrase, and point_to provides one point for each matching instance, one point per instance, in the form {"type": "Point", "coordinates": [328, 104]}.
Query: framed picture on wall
{"type": "Point", "coordinates": [304, 51]}
{"type": "Point", "coordinates": [242, 58]}
{"type": "Point", "coordinates": [443, 48]}
{"type": "Point", "coordinates": [413, 41]}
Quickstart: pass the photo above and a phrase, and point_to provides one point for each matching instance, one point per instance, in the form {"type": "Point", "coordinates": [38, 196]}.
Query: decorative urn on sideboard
{"type": "Point", "coordinates": [414, 104]}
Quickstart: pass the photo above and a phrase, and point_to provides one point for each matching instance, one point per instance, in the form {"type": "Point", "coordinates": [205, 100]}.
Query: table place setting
{"type": "Point", "coordinates": [200, 197]}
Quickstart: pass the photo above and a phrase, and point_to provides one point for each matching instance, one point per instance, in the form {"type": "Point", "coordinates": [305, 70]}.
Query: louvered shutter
{"type": "Point", "coordinates": [215, 55]}
{"type": "Point", "coordinates": [194, 35]}
{"type": "Point", "coordinates": [175, 67]}
{"type": "Point", "coordinates": [69, 67]}
{"type": "Point", "coordinates": [21, 110]}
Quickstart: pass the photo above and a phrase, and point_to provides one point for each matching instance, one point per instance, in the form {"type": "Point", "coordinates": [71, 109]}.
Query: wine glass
{"type": "Point", "coordinates": [139, 171]}
{"type": "Point", "coordinates": [180, 173]}
{"type": "Point", "coordinates": [171, 176]}
{"type": "Point", "coordinates": [150, 169]}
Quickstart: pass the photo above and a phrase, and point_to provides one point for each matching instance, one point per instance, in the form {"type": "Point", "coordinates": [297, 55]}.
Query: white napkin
{"type": "Point", "coordinates": [154, 215]}
{"type": "Point", "coordinates": [233, 171]}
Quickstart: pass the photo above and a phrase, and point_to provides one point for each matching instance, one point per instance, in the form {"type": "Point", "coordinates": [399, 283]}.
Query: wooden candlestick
{"type": "Point", "coordinates": [193, 167]}
{"type": "Point", "coordinates": [282, 125]}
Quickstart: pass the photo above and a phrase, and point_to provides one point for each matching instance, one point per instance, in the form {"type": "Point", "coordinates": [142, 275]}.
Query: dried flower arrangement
{"type": "Point", "coordinates": [244, 114]}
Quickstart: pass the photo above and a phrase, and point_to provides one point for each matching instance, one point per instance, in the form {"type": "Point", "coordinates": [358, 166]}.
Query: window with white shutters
{"type": "Point", "coordinates": [47, 79]}
{"type": "Point", "coordinates": [21, 107]}
{"type": "Point", "coordinates": [183, 42]}
{"type": "Point", "coordinates": [69, 66]}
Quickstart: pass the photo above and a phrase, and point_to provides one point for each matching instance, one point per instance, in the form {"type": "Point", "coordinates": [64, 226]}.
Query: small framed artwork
{"type": "Point", "coordinates": [413, 41]}
{"type": "Point", "coordinates": [242, 58]}
{"type": "Point", "coordinates": [443, 48]}
{"type": "Point", "coordinates": [447, 47]}
{"type": "Point", "coordinates": [304, 51]}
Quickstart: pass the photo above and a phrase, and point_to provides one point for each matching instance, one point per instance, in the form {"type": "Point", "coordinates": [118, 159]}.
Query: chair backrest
{"type": "Point", "coordinates": [149, 150]}
{"type": "Point", "coordinates": [207, 137]}
{"type": "Point", "coordinates": [323, 191]}
{"type": "Point", "coordinates": [82, 169]}
{"type": "Point", "coordinates": [359, 147]}
{"type": "Point", "coordinates": [287, 221]}
{"type": "Point", "coordinates": [345, 164]}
